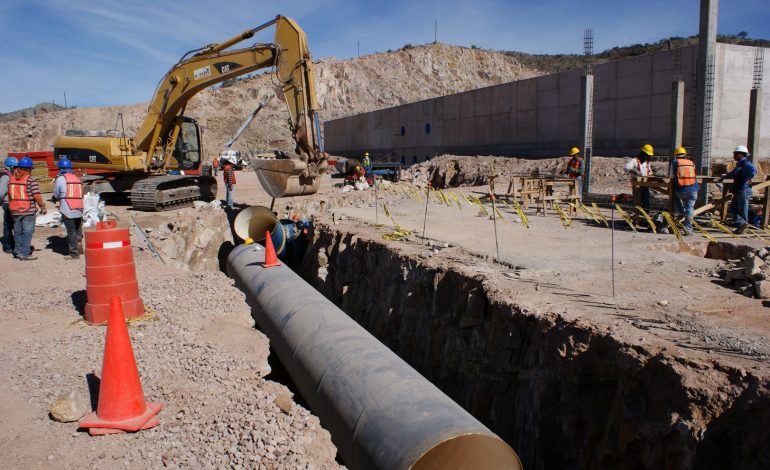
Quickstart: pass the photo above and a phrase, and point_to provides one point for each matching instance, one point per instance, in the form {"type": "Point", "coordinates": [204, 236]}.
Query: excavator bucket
{"type": "Point", "coordinates": [285, 177]}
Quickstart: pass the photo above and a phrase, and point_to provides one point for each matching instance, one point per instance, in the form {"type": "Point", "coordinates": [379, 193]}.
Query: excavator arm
{"type": "Point", "coordinates": [290, 57]}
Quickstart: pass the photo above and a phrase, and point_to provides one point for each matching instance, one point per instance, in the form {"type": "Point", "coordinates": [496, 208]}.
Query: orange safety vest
{"type": "Point", "coordinates": [685, 172]}
{"type": "Point", "coordinates": [74, 194]}
{"type": "Point", "coordinates": [573, 167]}
{"type": "Point", "coordinates": [19, 199]}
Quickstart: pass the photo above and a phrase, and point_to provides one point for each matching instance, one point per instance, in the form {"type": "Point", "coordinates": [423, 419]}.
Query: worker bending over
{"type": "Point", "coordinates": [640, 166]}
{"type": "Point", "coordinates": [576, 168]}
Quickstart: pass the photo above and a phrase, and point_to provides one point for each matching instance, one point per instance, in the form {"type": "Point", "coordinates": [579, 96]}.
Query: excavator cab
{"type": "Point", "coordinates": [187, 149]}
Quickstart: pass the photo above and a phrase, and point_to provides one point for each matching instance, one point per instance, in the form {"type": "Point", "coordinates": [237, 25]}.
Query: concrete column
{"type": "Point", "coordinates": [586, 140]}
{"type": "Point", "coordinates": [677, 114]}
{"type": "Point", "coordinates": [755, 117]}
{"type": "Point", "coordinates": [707, 44]}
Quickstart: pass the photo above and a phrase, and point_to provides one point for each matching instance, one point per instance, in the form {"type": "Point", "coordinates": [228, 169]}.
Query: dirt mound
{"type": "Point", "coordinates": [344, 87]}
{"type": "Point", "coordinates": [449, 171]}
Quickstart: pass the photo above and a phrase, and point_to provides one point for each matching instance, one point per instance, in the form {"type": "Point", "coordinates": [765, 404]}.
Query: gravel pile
{"type": "Point", "coordinates": [198, 354]}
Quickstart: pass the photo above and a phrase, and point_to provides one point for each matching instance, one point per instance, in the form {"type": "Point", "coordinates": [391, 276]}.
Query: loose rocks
{"type": "Point", "coordinates": [69, 407]}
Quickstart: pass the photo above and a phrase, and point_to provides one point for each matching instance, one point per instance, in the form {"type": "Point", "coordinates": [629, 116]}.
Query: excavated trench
{"type": "Point", "coordinates": [562, 393]}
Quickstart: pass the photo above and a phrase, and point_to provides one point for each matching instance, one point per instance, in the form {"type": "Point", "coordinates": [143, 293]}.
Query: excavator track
{"type": "Point", "coordinates": [163, 193]}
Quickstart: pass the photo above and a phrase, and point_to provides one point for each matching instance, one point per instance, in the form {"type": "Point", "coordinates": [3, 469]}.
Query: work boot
{"type": "Point", "coordinates": [27, 258]}
{"type": "Point", "coordinates": [741, 229]}
{"type": "Point", "coordinates": [74, 256]}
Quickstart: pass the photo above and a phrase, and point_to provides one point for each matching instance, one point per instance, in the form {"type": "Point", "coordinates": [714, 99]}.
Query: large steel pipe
{"type": "Point", "coordinates": [381, 413]}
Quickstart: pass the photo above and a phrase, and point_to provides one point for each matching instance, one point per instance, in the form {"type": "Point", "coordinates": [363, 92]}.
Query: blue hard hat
{"type": "Point", "coordinates": [25, 162]}
{"type": "Point", "coordinates": [64, 164]}
{"type": "Point", "coordinates": [10, 162]}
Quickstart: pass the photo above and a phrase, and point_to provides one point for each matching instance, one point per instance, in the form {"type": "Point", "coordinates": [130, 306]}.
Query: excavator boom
{"type": "Point", "coordinates": [290, 57]}
{"type": "Point", "coordinates": [169, 142]}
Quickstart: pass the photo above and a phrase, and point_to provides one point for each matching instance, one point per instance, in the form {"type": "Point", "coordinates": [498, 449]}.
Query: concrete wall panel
{"type": "Point", "coordinates": [631, 106]}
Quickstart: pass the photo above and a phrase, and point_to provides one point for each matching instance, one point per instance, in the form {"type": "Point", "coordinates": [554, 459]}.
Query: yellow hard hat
{"type": "Point", "coordinates": [574, 151]}
{"type": "Point", "coordinates": [647, 148]}
{"type": "Point", "coordinates": [680, 151]}
{"type": "Point", "coordinates": [366, 154]}
{"type": "Point", "coordinates": [248, 241]}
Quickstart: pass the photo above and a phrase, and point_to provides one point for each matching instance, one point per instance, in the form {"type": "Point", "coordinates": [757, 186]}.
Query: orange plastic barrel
{"type": "Point", "coordinates": [110, 271]}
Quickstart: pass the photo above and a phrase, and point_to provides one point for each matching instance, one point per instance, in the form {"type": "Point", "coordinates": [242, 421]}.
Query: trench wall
{"type": "Point", "coordinates": [564, 394]}
{"type": "Point", "coordinates": [541, 116]}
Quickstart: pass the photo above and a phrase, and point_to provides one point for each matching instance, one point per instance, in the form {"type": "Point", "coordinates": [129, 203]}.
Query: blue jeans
{"type": "Point", "coordinates": [739, 206]}
{"type": "Point", "coordinates": [685, 205]}
{"type": "Point", "coordinates": [229, 196]}
{"type": "Point", "coordinates": [23, 229]}
{"type": "Point", "coordinates": [7, 228]}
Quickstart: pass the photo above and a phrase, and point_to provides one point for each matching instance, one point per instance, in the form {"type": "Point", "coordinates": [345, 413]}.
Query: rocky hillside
{"type": "Point", "coordinates": [344, 87]}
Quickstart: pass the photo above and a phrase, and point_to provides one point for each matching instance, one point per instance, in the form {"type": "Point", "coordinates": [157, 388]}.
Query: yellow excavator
{"type": "Point", "coordinates": [160, 168]}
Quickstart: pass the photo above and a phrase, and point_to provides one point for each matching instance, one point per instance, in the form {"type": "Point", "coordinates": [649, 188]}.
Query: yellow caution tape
{"type": "Point", "coordinates": [600, 215]}
{"type": "Point", "coordinates": [517, 208]}
{"type": "Point", "coordinates": [716, 224]}
{"type": "Point", "coordinates": [703, 232]}
{"type": "Point", "coordinates": [753, 230]}
{"type": "Point", "coordinates": [565, 220]}
{"type": "Point", "coordinates": [626, 218]}
{"type": "Point", "coordinates": [499, 214]}
{"type": "Point", "coordinates": [387, 212]}
{"type": "Point", "coordinates": [397, 235]}
{"type": "Point", "coordinates": [648, 219]}
{"type": "Point", "coordinates": [672, 225]}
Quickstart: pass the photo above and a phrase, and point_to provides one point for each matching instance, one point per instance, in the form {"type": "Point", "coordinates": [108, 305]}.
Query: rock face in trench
{"type": "Point", "coordinates": [564, 394]}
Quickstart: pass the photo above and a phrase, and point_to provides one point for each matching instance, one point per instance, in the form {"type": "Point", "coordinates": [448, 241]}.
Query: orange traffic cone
{"type": "Point", "coordinates": [270, 258]}
{"type": "Point", "coordinates": [121, 405]}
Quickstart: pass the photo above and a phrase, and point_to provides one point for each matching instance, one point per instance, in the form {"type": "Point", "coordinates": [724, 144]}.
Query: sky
{"type": "Point", "coordinates": [106, 52]}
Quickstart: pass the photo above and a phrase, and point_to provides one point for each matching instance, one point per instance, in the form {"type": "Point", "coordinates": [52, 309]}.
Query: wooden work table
{"type": "Point", "coordinates": [664, 185]}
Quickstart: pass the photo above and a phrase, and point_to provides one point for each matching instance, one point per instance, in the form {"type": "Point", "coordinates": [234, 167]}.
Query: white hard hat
{"type": "Point", "coordinates": [741, 149]}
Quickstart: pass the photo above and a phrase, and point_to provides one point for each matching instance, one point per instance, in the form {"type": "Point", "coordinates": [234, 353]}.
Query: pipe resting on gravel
{"type": "Point", "coordinates": [381, 413]}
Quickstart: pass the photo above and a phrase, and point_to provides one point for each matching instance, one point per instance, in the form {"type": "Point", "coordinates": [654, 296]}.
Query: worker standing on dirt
{"type": "Point", "coordinates": [367, 163]}
{"type": "Point", "coordinates": [215, 166]}
{"type": "Point", "coordinates": [576, 169]}
{"type": "Point", "coordinates": [228, 174]}
{"type": "Point", "coordinates": [640, 166]}
{"type": "Point", "coordinates": [683, 176]}
{"type": "Point", "coordinates": [68, 190]}
{"type": "Point", "coordinates": [23, 194]}
{"type": "Point", "coordinates": [5, 177]}
{"type": "Point", "coordinates": [741, 175]}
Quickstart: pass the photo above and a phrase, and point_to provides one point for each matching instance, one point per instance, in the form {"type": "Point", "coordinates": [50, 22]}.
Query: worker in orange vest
{"type": "Point", "coordinates": [68, 191]}
{"type": "Point", "coordinates": [5, 176]}
{"type": "Point", "coordinates": [215, 166]}
{"type": "Point", "coordinates": [576, 168]}
{"type": "Point", "coordinates": [683, 176]}
{"type": "Point", "coordinates": [23, 195]}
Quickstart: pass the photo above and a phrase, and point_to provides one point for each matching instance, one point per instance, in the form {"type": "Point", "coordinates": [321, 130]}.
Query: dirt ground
{"type": "Point", "coordinates": [198, 354]}
{"type": "Point", "coordinates": [664, 291]}
{"type": "Point", "coordinates": [203, 359]}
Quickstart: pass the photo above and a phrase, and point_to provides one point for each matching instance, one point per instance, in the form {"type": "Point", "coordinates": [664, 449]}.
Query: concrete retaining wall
{"type": "Point", "coordinates": [540, 116]}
